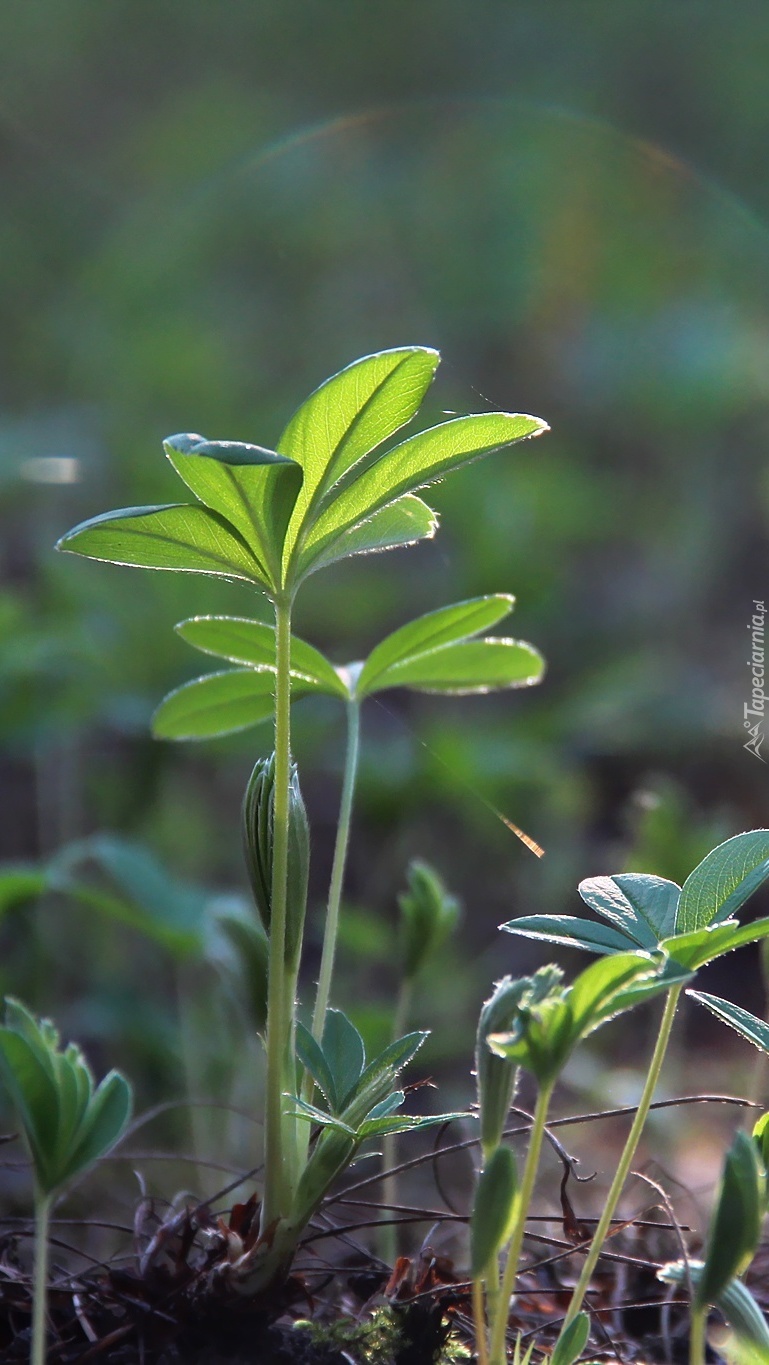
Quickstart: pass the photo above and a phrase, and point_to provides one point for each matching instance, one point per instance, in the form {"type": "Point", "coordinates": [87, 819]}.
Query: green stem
{"type": "Point", "coordinates": [280, 1004]}
{"type": "Point", "coordinates": [337, 871]}
{"type": "Point", "coordinates": [499, 1328]}
{"type": "Point", "coordinates": [388, 1248]}
{"type": "Point", "coordinates": [697, 1324]}
{"type": "Point", "coordinates": [482, 1350]}
{"type": "Point", "coordinates": [626, 1160]}
{"type": "Point", "coordinates": [40, 1300]}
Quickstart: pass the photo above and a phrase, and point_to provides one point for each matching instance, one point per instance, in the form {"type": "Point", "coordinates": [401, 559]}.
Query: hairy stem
{"type": "Point", "coordinates": [280, 1005]}
{"type": "Point", "coordinates": [499, 1328]}
{"type": "Point", "coordinates": [626, 1160]}
{"type": "Point", "coordinates": [337, 871]}
{"type": "Point", "coordinates": [40, 1300]}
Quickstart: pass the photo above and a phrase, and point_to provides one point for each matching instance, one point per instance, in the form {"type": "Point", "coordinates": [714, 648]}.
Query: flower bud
{"type": "Point", "coordinates": [428, 915]}
{"type": "Point", "coordinates": [258, 843]}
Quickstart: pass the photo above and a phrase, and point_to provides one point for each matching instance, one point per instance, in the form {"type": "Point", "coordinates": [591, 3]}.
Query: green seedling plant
{"type": "Point", "coordinates": [536, 1022]}
{"type": "Point", "coordinates": [428, 915]}
{"type": "Point", "coordinates": [734, 1234]}
{"type": "Point", "coordinates": [68, 1124]}
{"type": "Point", "coordinates": [332, 488]}
{"type": "Point", "coordinates": [687, 927]}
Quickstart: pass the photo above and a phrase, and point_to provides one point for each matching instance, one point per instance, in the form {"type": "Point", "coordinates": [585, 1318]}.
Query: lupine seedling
{"type": "Point", "coordinates": [687, 926]}
{"type": "Point", "coordinates": [543, 1023]}
{"type": "Point", "coordinates": [734, 1234]}
{"type": "Point", "coordinates": [330, 490]}
{"type": "Point", "coordinates": [68, 1124]}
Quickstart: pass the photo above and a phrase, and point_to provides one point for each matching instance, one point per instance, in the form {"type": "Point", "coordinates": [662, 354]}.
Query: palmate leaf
{"type": "Point", "coordinates": [252, 488]}
{"type": "Point", "coordinates": [180, 537]}
{"type": "Point", "coordinates": [416, 462]}
{"type": "Point", "coordinates": [241, 640]}
{"type": "Point", "coordinates": [638, 905]}
{"type": "Point", "coordinates": [694, 950]}
{"type": "Point", "coordinates": [724, 880]}
{"type": "Point", "coordinates": [349, 417]}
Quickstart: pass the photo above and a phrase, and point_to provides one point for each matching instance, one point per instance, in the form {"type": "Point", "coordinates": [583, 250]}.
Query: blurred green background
{"type": "Point", "coordinates": [207, 209]}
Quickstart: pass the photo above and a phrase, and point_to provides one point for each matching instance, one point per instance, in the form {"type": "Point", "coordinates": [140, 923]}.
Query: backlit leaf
{"type": "Point", "coordinates": [219, 704]}
{"type": "Point", "coordinates": [694, 950]}
{"type": "Point", "coordinates": [252, 488]}
{"type": "Point", "coordinates": [446, 626]}
{"type": "Point", "coordinates": [724, 880]}
{"type": "Point", "coordinates": [574, 932]}
{"type": "Point", "coordinates": [572, 1341]}
{"type": "Point", "coordinates": [402, 522]}
{"type": "Point", "coordinates": [641, 906]}
{"type": "Point", "coordinates": [746, 1024]}
{"type": "Point", "coordinates": [241, 640]}
{"type": "Point", "coordinates": [350, 415]}
{"type": "Point", "coordinates": [180, 537]}
{"type": "Point", "coordinates": [416, 462]}
{"type": "Point", "coordinates": [473, 666]}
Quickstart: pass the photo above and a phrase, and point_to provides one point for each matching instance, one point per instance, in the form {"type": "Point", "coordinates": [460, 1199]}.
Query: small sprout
{"type": "Point", "coordinates": [572, 1341]}
{"type": "Point", "coordinates": [736, 1224]}
{"type": "Point", "coordinates": [68, 1125]}
{"type": "Point", "coordinates": [428, 915]}
{"type": "Point", "coordinates": [496, 1076]}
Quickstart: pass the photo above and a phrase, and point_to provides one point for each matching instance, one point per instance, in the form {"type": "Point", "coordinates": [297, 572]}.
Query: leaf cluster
{"type": "Point", "coordinates": [68, 1122]}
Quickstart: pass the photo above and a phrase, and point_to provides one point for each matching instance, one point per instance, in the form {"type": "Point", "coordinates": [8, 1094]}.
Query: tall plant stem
{"type": "Point", "coordinates": [626, 1160]}
{"type": "Point", "coordinates": [498, 1351]}
{"type": "Point", "coordinates": [40, 1300]}
{"type": "Point", "coordinates": [331, 930]}
{"type": "Point", "coordinates": [280, 1005]}
{"type": "Point", "coordinates": [479, 1320]}
{"type": "Point", "coordinates": [697, 1324]}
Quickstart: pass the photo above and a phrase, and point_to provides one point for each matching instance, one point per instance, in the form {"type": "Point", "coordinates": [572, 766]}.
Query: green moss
{"type": "Point", "coordinates": [377, 1340]}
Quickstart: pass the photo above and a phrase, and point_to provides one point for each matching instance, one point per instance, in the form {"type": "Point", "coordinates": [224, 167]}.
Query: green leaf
{"type": "Point", "coordinates": [641, 906]}
{"type": "Point", "coordinates": [377, 1078]}
{"type": "Point", "coordinates": [694, 950]}
{"type": "Point", "coordinates": [496, 1077]}
{"type": "Point", "coordinates": [572, 1341]}
{"type": "Point", "coordinates": [241, 640]}
{"type": "Point", "coordinates": [345, 1055]}
{"type": "Point", "coordinates": [746, 1024]}
{"type": "Point", "coordinates": [724, 880]}
{"type": "Point", "coordinates": [593, 997]}
{"type": "Point", "coordinates": [474, 666]}
{"type": "Point", "coordinates": [19, 886]}
{"type": "Point", "coordinates": [446, 626]}
{"type": "Point", "coordinates": [668, 973]}
{"type": "Point", "coordinates": [313, 1059]}
{"type": "Point", "coordinates": [574, 932]}
{"type": "Point", "coordinates": [219, 704]}
{"type": "Point", "coordinates": [304, 1110]}
{"type": "Point", "coordinates": [735, 1302]}
{"type": "Point", "coordinates": [405, 1123]}
{"type": "Point", "coordinates": [186, 539]}
{"type": "Point", "coordinates": [105, 1121]}
{"type": "Point", "coordinates": [494, 1209]}
{"type": "Point", "coordinates": [416, 462]}
{"type": "Point", "coordinates": [760, 1135]}
{"type": "Point", "coordinates": [254, 489]}
{"type": "Point", "coordinates": [350, 415]}
{"type": "Point", "coordinates": [403, 522]}
{"type": "Point", "coordinates": [34, 1095]}
{"type": "Point", "coordinates": [736, 1224]}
